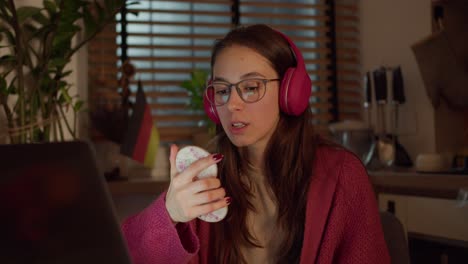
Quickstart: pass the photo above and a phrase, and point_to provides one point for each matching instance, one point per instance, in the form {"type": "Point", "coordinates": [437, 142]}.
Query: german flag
{"type": "Point", "coordinates": [141, 141]}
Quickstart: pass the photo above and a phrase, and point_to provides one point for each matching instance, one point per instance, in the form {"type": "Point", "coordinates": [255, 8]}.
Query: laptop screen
{"type": "Point", "coordinates": [55, 207]}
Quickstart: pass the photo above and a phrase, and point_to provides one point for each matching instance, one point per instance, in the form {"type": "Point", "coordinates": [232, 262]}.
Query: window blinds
{"type": "Point", "coordinates": [169, 39]}
{"type": "Point", "coordinates": [348, 71]}
{"type": "Point", "coordinates": [306, 23]}
{"type": "Point", "coordinates": [166, 41]}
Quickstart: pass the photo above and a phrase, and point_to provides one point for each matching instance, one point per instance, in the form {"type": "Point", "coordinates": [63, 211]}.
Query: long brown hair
{"type": "Point", "coordinates": [287, 161]}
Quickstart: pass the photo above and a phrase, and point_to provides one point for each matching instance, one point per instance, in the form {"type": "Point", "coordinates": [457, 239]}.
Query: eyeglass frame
{"type": "Point", "coordinates": [239, 92]}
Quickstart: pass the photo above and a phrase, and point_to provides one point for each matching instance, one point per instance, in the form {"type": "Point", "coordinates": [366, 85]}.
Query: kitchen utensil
{"type": "Point", "coordinates": [385, 146]}
{"type": "Point", "coordinates": [431, 162]}
{"type": "Point", "coordinates": [368, 98]}
{"type": "Point", "coordinates": [355, 136]}
{"type": "Point", "coordinates": [371, 159]}
{"type": "Point", "coordinates": [401, 155]}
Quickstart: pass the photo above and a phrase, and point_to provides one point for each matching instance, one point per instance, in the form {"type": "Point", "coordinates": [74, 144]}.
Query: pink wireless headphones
{"type": "Point", "coordinates": [295, 88]}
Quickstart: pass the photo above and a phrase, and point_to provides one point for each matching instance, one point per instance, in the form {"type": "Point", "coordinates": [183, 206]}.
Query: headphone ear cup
{"type": "Point", "coordinates": [295, 91]}
{"type": "Point", "coordinates": [296, 85]}
{"type": "Point", "coordinates": [284, 89]}
{"type": "Point", "coordinates": [210, 109]}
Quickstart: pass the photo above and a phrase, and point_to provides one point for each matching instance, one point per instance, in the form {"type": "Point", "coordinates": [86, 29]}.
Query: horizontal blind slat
{"type": "Point", "coordinates": [181, 23]}
{"type": "Point", "coordinates": [321, 18]}
{"type": "Point", "coordinates": [184, 12]}
{"type": "Point", "coordinates": [193, 1]}
{"type": "Point", "coordinates": [177, 35]}
{"type": "Point", "coordinates": [287, 4]}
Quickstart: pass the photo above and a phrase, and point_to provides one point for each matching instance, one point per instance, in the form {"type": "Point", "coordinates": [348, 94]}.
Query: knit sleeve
{"type": "Point", "coordinates": [362, 238]}
{"type": "Point", "coordinates": [152, 237]}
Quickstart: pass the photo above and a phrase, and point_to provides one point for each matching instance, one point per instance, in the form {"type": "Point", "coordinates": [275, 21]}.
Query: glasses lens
{"type": "Point", "coordinates": [252, 90]}
{"type": "Point", "coordinates": [221, 93]}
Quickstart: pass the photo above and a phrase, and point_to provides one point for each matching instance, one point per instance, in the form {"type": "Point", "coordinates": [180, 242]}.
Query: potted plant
{"type": "Point", "coordinates": [195, 87]}
{"type": "Point", "coordinates": [37, 43]}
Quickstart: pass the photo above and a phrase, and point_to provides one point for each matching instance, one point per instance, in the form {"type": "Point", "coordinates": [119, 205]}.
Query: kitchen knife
{"type": "Point", "coordinates": [380, 85]}
{"type": "Point", "coordinates": [401, 155]}
{"type": "Point", "coordinates": [385, 147]}
{"type": "Point", "coordinates": [368, 88]}
{"type": "Point", "coordinates": [368, 98]}
{"type": "Point", "coordinates": [398, 86]}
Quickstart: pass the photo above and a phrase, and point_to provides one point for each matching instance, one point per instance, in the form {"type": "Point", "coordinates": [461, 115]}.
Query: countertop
{"type": "Point", "coordinates": [407, 182]}
{"type": "Point", "coordinates": [397, 182]}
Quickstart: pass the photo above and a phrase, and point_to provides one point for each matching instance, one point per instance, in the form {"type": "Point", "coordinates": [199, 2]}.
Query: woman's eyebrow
{"type": "Point", "coordinates": [217, 79]}
{"type": "Point", "coordinates": [244, 76]}
{"type": "Point", "coordinates": [252, 74]}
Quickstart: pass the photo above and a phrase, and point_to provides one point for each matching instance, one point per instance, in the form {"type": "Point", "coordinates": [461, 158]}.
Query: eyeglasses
{"type": "Point", "coordinates": [249, 90]}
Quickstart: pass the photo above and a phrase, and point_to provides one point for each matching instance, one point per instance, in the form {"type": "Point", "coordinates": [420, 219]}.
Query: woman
{"type": "Point", "coordinates": [292, 197]}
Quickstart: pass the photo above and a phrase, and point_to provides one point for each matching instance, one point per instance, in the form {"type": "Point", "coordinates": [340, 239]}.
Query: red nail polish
{"type": "Point", "coordinates": [228, 200]}
{"type": "Point", "coordinates": [218, 156]}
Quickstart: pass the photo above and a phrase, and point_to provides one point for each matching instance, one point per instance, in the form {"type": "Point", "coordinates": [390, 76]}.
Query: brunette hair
{"type": "Point", "coordinates": [287, 164]}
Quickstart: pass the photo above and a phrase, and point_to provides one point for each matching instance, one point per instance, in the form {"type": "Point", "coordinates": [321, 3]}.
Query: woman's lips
{"type": "Point", "coordinates": [238, 127]}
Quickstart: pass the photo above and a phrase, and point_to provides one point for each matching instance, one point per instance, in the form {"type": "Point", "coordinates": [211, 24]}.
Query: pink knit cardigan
{"type": "Point", "coordinates": [342, 222]}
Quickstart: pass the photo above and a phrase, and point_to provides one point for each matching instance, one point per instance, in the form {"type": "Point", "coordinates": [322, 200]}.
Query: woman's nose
{"type": "Point", "coordinates": [235, 101]}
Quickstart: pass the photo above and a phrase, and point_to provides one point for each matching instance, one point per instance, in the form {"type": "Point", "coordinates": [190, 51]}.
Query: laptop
{"type": "Point", "coordinates": [55, 207]}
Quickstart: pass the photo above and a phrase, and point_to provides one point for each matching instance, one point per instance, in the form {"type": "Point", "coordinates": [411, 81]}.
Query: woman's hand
{"type": "Point", "coordinates": [188, 197]}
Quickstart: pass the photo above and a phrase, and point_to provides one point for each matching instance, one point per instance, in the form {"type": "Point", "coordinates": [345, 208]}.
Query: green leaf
{"type": "Point", "coordinates": [65, 74]}
{"type": "Point", "coordinates": [3, 86]}
{"type": "Point", "coordinates": [78, 105]}
{"type": "Point", "coordinates": [70, 12]}
{"type": "Point", "coordinates": [199, 78]}
{"type": "Point", "coordinates": [26, 12]}
{"type": "Point", "coordinates": [101, 12]}
{"type": "Point", "coordinates": [12, 89]}
{"type": "Point", "coordinates": [38, 135]}
{"type": "Point", "coordinates": [62, 85]}
{"type": "Point", "coordinates": [35, 103]}
{"type": "Point", "coordinates": [58, 63]}
{"type": "Point", "coordinates": [41, 33]}
{"type": "Point", "coordinates": [7, 60]}
{"type": "Point", "coordinates": [29, 30]}
{"type": "Point", "coordinates": [50, 6]}
{"type": "Point", "coordinates": [187, 85]}
{"type": "Point", "coordinates": [41, 18]}
{"type": "Point", "coordinates": [62, 42]}
{"type": "Point", "coordinates": [135, 13]}
{"type": "Point", "coordinates": [89, 21]}
{"type": "Point", "coordinates": [9, 35]}
{"type": "Point", "coordinates": [196, 87]}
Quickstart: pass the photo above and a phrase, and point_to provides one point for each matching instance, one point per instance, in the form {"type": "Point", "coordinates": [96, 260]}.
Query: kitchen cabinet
{"type": "Point", "coordinates": [429, 216]}
{"type": "Point", "coordinates": [435, 222]}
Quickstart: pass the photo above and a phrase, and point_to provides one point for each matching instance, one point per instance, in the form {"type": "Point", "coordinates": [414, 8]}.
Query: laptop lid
{"type": "Point", "coordinates": [55, 207]}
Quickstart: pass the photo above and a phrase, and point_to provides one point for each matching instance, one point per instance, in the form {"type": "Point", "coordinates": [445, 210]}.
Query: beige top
{"type": "Point", "coordinates": [263, 226]}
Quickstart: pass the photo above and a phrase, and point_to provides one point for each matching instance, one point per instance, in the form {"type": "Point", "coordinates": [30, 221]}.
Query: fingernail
{"type": "Point", "coordinates": [218, 157]}
{"type": "Point", "coordinates": [228, 200]}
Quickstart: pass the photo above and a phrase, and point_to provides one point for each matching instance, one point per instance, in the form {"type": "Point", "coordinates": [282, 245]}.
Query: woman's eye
{"type": "Point", "coordinates": [222, 92]}
{"type": "Point", "coordinates": [251, 89]}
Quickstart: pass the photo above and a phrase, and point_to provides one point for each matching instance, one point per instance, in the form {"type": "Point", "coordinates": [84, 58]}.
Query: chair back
{"type": "Point", "coordinates": [395, 238]}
